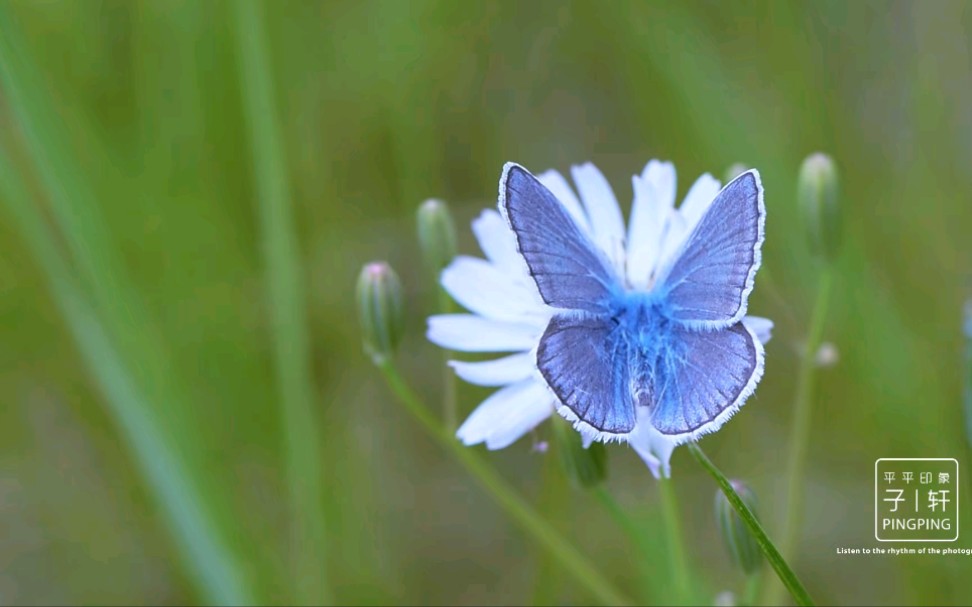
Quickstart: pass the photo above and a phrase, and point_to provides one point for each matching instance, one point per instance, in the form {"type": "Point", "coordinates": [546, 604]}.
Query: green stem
{"type": "Point", "coordinates": [450, 407]}
{"type": "Point", "coordinates": [776, 560]}
{"type": "Point", "coordinates": [555, 505]}
{"type": "Point", "coordinates": [751, 592]}
{"type": "Point", "coordinates": [800, 432]}
{"type": "Point", "coordinates": [450, 416]}
{"type": "Point", "coordinates": [675, 540]}
{"type": "Point", "coordinates": [292, 350]}
{"type": "Point", "coordinates": [506, 497]}
{"type": "Point", "coordinates": [635, 533]}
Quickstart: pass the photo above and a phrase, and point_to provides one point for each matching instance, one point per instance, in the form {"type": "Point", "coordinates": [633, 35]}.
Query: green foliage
{"type": "Point", "coordinates": [586, 468]}
{"type": "Point", "coordinates": [173, 404]}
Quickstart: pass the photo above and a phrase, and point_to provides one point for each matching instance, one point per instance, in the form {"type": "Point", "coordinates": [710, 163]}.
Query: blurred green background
{"type": "Point", "coordinates": [169, 348]}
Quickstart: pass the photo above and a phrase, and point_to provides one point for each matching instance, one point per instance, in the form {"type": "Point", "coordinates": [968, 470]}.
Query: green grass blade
{"type": "Point", "coordinates": [212, 565]}
{"type": "Point", "coordinates": [287, 308]}
{"type": "Point", "coordinates": [118, 341]}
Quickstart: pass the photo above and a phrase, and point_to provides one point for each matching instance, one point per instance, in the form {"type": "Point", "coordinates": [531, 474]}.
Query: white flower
{"type": "Point", "coordinates": [508, 314]}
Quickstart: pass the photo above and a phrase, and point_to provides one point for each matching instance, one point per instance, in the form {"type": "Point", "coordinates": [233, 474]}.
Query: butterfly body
{"type": "Point", "coordinates": [677, 351]}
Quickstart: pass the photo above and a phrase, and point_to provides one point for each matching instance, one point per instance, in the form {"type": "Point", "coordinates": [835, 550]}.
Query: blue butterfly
{"type": "Point", "coordinates": [677, 349]}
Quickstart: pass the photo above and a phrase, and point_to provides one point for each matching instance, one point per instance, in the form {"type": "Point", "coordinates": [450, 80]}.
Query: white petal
{"type": "Point", "coordinates": [498, 372]}
{"type": "Point", "coordinates": [654, 447]}
{"type": "Point", "coordinates": [532, 411]}
{"type": "Point", "coordinates": [681, 224]}
{"type": "Point", "coordinates": [470, 333]}
{"type": "Point", "coordinates": [662, 178]}
{"type": "Point", "coordinates": [762, 327]}
{"type": "Point", "coordinates": [671, 241]}
{"type": "Point", "coordinates": [653, 463]}
{"type": "Point", "coordinates": [654, 197]}
{"type": "Point", "coordinates": [559, 187]}
{"type": "Point", "coordinates": [698, 200]}
{"type": "Point", "coordinates": [488, 291]}
{"type": "Point", "coordinates": [507, 415]}
{"type": "Point", "coordinates": [497, 241]}
{"type": "Point", "coordinates": [607, 225]}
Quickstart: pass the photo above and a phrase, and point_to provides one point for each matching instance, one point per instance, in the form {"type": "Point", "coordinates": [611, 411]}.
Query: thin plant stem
{"type": "Point", "coordinates": [450, 415]}
{"type": "Point", "coordinates": [450, 407]}
{"type": "Point", "coordinates": [634, 532]}
{"type": "Point", "coordinates": [282, 270]}
{"type": "Point", "coordinates": [675, 540]}
{"type": "Point", "coordinates": [505, 496]}
{"type": "Point", "coordinates": [776, 560]}
{"type": "Point", "coordinates": [553, 503]}
{"type": "Point", "coordinates": [751, 591]}
{"type": "Point", "coordinates": [768, 284]}
{"type": "Point", "coordinates": [800, 432]}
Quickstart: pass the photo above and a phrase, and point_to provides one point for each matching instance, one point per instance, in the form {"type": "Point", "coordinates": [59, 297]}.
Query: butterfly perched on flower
{"type": "Point", "coordinates": [643, 339]}
{"type": "Point", "coordinates": [676, 347]}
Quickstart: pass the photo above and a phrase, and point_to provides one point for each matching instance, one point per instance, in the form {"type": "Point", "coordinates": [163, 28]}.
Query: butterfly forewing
{"type": "Point", "coordinates": [709, 281]}
{"type": "Point", "coordinates": [569, 271]}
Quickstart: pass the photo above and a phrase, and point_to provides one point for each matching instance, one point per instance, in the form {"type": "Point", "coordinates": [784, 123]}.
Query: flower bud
{"type": "Point", "coordinates": [742, 546]}
{"type": "Point", "coordinates": [735, 170]}
{"type": "Point", "coordinates": [380, 309]}
{"type": "Point", "coordinates": [436, 234]}
{"type": "Point", "coordinates": [586, 468]}
{"type": "Point", "coordinates": [817, 195]}
{"type": "Point", "coordinates": [725, 599]}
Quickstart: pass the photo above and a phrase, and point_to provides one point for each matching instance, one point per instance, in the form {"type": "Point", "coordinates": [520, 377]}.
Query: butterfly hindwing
{"type": "Point", "coordinates": [586, 361]}
{"type": "Point", "coordinates": [704, 377]}
{"type": "Point", "coordinates": [570, 272]}
{"type": "Point", "coordinates": [708, 283]}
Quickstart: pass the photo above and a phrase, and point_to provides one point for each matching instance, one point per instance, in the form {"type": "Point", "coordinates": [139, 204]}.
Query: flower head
{"type": "Point", "coordinates": [508, 314]}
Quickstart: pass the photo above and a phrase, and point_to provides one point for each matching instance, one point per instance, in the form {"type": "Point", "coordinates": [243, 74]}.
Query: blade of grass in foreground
{"type": "Point", "coordinates": [286, 298]}
{"type": "Point", "coordinates": [210, 562]}
{"type": "Point", "coordinates": [124, 353]}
